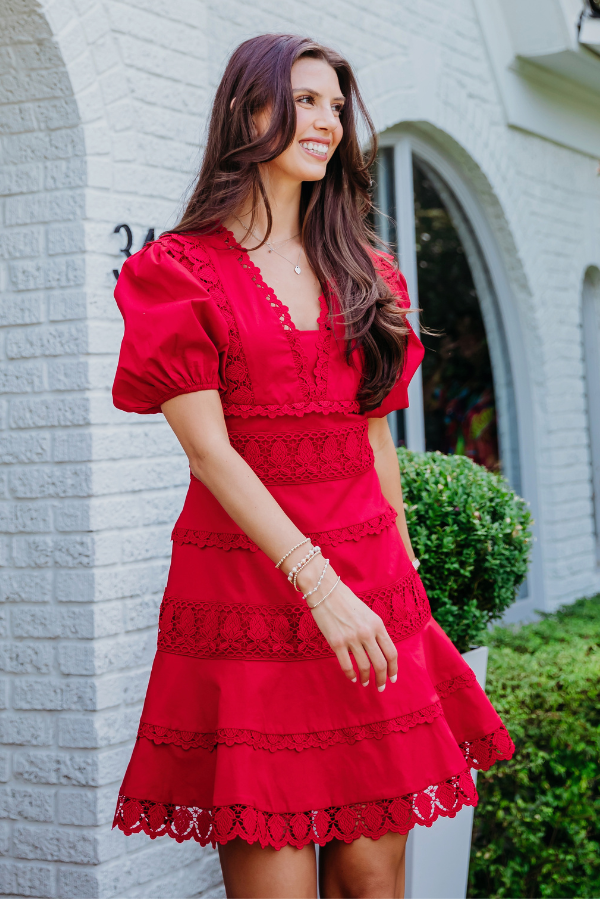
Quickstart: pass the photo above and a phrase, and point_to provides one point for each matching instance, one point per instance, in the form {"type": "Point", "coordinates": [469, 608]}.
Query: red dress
{"type": "Point", "coordinates": [249, 727]}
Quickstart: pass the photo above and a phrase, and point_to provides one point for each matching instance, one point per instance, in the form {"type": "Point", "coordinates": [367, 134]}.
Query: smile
{"type": "Point", "coordinates": [315, 149]}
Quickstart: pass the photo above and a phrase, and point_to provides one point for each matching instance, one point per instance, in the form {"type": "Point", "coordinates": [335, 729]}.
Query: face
{"type": "Point", "coordinates": [319, 102]}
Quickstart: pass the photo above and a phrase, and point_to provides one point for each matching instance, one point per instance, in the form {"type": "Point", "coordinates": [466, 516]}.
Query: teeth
{"type": "Point", "coordinates": [316, 148]}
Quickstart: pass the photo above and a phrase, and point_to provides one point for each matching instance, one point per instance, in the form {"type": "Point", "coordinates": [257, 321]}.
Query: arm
{"type": "Point", "coordinates": [386, 466]}
{"type": "Point", "coordinates": [349, 626]}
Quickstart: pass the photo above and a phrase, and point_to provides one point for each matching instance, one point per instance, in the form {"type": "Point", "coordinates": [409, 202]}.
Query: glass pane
{"type": "Point", "coordinates": [383, 220]}
{"type": "Point", "coordinates": [458, 388]}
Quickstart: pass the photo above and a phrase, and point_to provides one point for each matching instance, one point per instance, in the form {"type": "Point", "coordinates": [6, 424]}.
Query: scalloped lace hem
{"type": "Point", "coordinates": [189, 740]}
{"type": "Point", "coordinates": [229, 540]}
{"type": "Point", "coordinates": [346, 823]}
{"type": "Point", "coordinates": [483, 752]}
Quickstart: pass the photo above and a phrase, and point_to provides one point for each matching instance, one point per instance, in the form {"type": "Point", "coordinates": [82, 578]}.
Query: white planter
{"type": "Point", "coordinates": [437, 858]}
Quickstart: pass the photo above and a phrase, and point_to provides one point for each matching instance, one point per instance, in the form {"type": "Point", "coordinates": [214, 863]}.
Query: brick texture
{"type": "Point", "coordinates": [103, 106]}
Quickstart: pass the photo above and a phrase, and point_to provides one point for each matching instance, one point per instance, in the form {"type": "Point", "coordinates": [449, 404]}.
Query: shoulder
{"type": "Point", "coordinates": [172, 257]}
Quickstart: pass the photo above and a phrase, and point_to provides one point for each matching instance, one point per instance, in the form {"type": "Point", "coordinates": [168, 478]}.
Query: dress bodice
{"type": "Point", "coordinates": [199, 315]}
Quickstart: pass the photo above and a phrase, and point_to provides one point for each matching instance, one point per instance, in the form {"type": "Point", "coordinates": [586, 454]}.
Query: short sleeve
{"type": "Point", "coordinates": [414, 351]}
{"type": "Point", "coordinates": [175, 339]}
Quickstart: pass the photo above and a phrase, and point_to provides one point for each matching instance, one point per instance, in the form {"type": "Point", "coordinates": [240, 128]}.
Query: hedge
{"type": "Point", "coordinates": [472, 534]}
{"type": "Point", "coordinates": [537, 827]}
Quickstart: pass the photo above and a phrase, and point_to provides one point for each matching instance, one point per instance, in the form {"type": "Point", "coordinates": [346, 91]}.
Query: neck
{"type": "Point", "coordinates": [284, 200]}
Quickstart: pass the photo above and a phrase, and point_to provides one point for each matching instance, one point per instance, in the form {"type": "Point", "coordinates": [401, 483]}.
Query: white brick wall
{"type": "Point", "coordinates": [102, 109]}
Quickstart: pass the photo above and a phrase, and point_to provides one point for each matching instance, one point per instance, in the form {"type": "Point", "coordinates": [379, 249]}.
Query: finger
{"type": "Point", "coordinates": [363, 663]}
{"type": "Point", "coordinates": [391, 654]}
{"type": "Point", "coordinates": [346, 663]}
{"type": "Point", "coordinates": [379, 663]}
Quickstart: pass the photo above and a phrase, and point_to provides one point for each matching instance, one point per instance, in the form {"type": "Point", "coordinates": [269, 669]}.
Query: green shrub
{"type": "Point", "coordinates": [472, 534]}
{"type": "Point", "coordinates": [537, 828]}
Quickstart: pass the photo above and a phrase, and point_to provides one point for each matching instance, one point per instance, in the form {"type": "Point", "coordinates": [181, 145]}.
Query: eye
{"type": "Point", "coordinates": [337, 108]}
{"type": "Point", "coordinates": [305, 98]}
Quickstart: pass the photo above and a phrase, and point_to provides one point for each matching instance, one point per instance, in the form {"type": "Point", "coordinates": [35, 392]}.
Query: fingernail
{"type": "Point", "coordinates": [354, 680]}
{"type": "Point", "coordinates": [381, 687]}
{"type": "Point", "coordinates": [365, 683]}
{"type": "Point", "coordinates": [393, 678]}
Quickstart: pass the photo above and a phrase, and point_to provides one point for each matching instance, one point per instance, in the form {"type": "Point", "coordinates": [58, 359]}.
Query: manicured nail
{"type": "Point", "coordinates": [365, 683]}
{"type": "Point", "coordinates": [381, 687]}
{"type": "Point", "coordinates": [393, 678]}
{"type": "Point", "coordinates": [354, 680]}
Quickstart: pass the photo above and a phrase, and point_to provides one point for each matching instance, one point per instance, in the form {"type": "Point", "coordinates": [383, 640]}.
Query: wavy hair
{"type": "Point", "coordinates": [337, 239]}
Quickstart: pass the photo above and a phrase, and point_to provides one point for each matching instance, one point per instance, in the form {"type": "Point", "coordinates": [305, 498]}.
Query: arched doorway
{"type": "Point", "coordinates": [464, 403]}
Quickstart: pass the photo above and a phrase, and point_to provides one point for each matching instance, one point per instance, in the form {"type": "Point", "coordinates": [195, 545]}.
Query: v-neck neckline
{"type": "Point", "coordinates": [313, 384]}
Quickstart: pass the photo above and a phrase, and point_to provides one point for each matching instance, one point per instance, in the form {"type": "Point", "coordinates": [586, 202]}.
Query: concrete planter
{"type": "Point", "coordinates": [437, 858]}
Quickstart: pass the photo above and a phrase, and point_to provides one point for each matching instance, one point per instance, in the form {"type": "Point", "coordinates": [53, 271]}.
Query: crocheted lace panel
{"type": "Point", "coordinates": [306, 456]}
{"type": "Point", "coordinates": [210, 629]}
{"type": "Point", "coordinates": [230, 540]}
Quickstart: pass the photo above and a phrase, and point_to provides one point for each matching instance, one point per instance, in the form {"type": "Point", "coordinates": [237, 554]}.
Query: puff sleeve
{"type": "Point", "coordinates": [414, 352]}
{"type": "Point", "coordinates": [175, 339]}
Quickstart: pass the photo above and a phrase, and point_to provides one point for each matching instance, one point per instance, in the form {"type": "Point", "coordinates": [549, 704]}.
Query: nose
{"type": "Point", "coordinates": [326, 120]}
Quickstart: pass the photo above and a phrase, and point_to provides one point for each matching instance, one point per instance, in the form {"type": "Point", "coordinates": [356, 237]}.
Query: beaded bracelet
{"type": "Point", "coordinates": [318, 584]}
{"type": "Point", "coordinates": [295, 578]}
{"type": "Point", "coordinates": [303, 562]}
{"type": "Point", "coordinates": [289, 553]}
{"type": "Point", "coordinates": [322, 600]}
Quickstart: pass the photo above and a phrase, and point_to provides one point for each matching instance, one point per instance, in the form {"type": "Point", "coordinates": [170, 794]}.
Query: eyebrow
{"type": "Point", "coordinates": [314, 93]}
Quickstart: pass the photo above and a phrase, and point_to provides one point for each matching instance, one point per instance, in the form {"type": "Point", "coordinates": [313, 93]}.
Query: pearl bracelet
{"type": "Point", "coordinates": [303, 562]}
{"type": "Point", "coordinates": [289, 553]}
{"type": "Point", "coordinates": [339, 578]}
{"type": "Point", "coordinates": [318, 584]}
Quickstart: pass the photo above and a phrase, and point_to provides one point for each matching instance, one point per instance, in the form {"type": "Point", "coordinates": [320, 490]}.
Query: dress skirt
{"type": "Point", "coordinates": [249, 728]}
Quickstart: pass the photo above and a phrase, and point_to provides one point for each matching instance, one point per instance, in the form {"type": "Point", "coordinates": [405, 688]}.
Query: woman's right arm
{"type": "Point", "coordinates": [348, 625]}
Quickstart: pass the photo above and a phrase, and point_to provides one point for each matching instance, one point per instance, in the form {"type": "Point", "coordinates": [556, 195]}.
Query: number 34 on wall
{"type": "Point", "coordinates": [129, 237]}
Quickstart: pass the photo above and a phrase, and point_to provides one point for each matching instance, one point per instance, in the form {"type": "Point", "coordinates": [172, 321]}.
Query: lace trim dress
{"type": "Point", "coordinates": [249, 728]}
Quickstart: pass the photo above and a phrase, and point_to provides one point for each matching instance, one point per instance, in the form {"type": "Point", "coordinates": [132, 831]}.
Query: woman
{"type": "Point", "coordinates": [329, 707]}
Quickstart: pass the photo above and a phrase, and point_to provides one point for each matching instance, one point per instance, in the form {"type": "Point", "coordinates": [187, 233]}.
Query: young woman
{"type": "Point", "coordinates": [301, 693]}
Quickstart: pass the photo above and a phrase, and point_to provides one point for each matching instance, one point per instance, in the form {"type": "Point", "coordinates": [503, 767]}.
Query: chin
{"type": "Point", "coordinates": [312, 173]}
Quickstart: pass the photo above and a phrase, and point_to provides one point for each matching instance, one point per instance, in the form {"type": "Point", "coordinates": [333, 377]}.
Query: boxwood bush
{"type": "Point", "coordinates": [472, 534]}
{"type": "Point", "coordinates": [537, 827]}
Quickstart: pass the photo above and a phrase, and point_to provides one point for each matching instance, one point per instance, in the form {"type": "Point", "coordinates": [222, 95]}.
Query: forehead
{"type": "Point", "coordinates": [315, 73]}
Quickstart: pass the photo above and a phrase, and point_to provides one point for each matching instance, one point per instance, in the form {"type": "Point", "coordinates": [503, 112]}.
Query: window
{"type": "Point", "coordinates": [462, 400]}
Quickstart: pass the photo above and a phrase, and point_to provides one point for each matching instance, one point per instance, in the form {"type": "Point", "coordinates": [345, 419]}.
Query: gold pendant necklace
{"type": "Point", "coordinates": [273, 249]}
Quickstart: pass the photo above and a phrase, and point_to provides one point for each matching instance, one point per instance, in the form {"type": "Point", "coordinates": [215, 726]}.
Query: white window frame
{"type": "Point", "coordinates": [590, 321]}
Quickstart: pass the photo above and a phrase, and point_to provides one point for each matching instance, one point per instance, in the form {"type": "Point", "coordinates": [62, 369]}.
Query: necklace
{"type": "Point", "coordinates": [273, 249]}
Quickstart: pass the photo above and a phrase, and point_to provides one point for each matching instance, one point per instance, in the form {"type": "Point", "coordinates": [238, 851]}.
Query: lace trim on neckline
{"type": "Point", "coordinates": [312, 390]}
{"type": "Point", "coordinates": [212, 630]}
{"type": "Point", "coordinates": [189, 740]}
{"type": "Point", "coordinates": [229, 540]}
{"type": "Point", "coordinates": [372, 818]}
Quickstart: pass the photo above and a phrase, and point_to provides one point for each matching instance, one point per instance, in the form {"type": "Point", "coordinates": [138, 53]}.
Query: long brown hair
{"type": "Point", "coordinates": [333, 212]}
